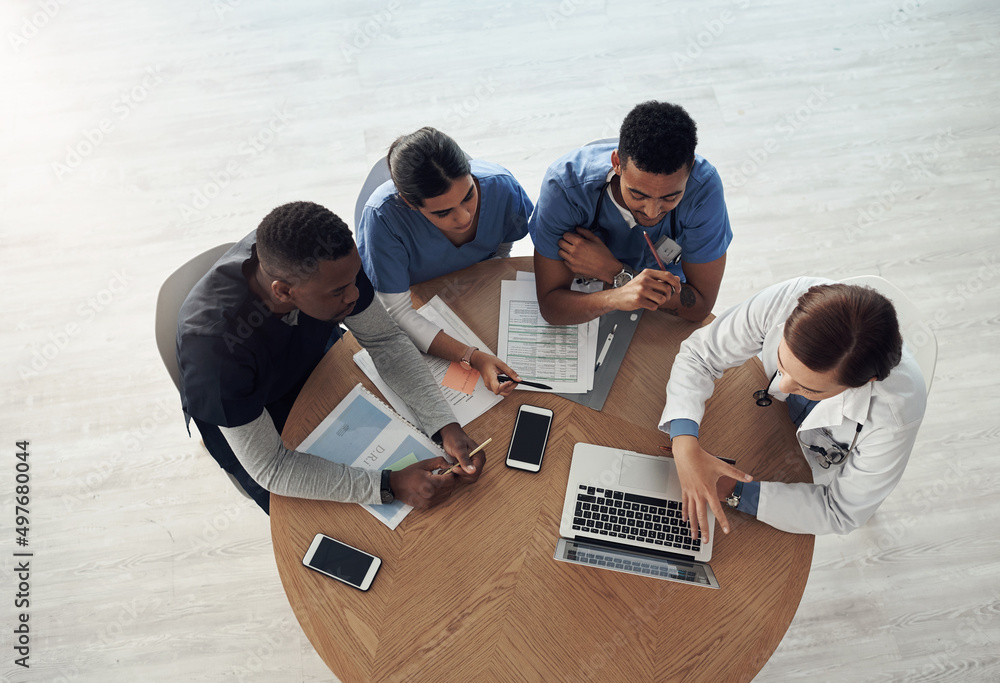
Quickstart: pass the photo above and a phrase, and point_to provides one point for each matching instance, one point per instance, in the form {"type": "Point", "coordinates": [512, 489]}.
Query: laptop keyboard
{"type": "Point", "coordinates": [634, 566]}
{"type": "Point", "coordinates": [616, 514]}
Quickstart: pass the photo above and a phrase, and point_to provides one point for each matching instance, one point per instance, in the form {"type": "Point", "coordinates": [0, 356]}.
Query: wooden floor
{"type": "Point", "coordinates": [858, 137]}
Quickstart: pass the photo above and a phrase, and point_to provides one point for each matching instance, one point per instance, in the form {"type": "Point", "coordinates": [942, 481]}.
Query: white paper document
{"type": "Point", "coordinates": [467, 407]}
{"type": "Point", "coordinates": [561, 356]}
{"type": "Point", "coordinates": [363, 432]}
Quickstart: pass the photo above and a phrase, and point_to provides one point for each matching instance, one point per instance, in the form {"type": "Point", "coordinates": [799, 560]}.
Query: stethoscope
{"type": "Point", "coordinates": [836, 453]}
{"type": "Point", "coordinates": [595, 225]}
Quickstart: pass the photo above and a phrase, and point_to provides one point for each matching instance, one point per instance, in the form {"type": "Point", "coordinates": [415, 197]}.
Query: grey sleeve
{"type": "Point", "coordinates": [401, 366]}
{"type": "Point", "coordinates": [259, 449]}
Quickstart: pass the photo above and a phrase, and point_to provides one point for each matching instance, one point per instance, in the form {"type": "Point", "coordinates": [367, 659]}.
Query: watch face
{"type": "Point", "coordinates": [622, 279]}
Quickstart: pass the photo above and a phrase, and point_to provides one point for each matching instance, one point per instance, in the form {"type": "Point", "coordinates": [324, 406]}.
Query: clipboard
{"type": "Point", "coordinates": [604, 376]}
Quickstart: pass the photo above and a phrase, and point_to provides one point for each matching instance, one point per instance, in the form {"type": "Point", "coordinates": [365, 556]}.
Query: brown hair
{"type": "Point", "coordinates": [850, 329]}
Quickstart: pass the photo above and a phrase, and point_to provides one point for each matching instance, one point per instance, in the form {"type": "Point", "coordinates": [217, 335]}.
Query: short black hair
{"type": "Point", "coordinates": [293, 238]}
{"type": "Point", "coordinates": [424, 164]}
{"type": "Point", "coordinates": [658, 137]}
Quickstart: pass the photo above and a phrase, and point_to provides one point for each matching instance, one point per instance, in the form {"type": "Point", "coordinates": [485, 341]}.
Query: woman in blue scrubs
{"type": "Point", "coordinates": [441, 212]}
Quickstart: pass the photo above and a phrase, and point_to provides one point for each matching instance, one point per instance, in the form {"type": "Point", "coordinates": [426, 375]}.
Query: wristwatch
{"type": "Point", "coordinates": [734, 498]}
{"type": "Point", "coordinates": [387, 495]}
{"type": "Point", "coordinates": [467, 357]}
{"type": "Point", "coordinates": [623, 278]}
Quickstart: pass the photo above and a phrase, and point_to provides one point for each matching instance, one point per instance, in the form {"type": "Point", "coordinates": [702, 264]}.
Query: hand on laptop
{"type": "Point", "coordinates": [699, 472]}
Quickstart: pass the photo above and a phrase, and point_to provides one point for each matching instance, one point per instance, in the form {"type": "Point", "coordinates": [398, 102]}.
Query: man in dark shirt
{"type": "Point", "coordinates": [250, 333]}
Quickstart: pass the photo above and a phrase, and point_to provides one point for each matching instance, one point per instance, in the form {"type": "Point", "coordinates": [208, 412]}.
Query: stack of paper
{"type": "Point", "coordinates": [466, 406]}
{"type": "Point", "coordinates": [562, 356]}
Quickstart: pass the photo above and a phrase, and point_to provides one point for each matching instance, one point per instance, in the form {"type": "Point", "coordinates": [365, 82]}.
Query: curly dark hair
{"type": "Point", "coordinates": [293, 238]}
{"type": "Point", "coordinates": [424, 163]}
{"type": "Point", "coordinates": [847, 328]}
{"type": "Point", "coordinates": [658, 137]}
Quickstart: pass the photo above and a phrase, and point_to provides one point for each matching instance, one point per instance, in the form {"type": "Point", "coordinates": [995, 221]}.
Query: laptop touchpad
{"type": "Point", "coordinates": [644, 473]}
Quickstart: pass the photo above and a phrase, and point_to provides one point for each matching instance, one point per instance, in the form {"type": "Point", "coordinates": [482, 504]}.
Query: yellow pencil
{"type": "Point", "coordinates": [474, 451]}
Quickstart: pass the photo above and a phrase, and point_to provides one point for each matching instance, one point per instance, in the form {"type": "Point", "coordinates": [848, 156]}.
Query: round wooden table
{"type": "Point", "coordinates": [469, 591]}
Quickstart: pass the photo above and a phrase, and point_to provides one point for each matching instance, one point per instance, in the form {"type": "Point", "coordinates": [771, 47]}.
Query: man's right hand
{"type": "Point", "coordinates": [650, 289]}
{"type": "Point", "coordinates": [416, 486]}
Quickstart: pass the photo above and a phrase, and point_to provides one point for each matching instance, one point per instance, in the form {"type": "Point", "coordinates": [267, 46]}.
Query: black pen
{"type": "Point", "coordinates": [505, 378]}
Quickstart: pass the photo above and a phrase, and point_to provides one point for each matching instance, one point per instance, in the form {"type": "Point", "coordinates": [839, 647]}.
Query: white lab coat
{"type": "Point", "coordinates": [843, 497]}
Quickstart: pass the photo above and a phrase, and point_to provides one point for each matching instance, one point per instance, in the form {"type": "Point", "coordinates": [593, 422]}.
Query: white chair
{"type": "Point", "coordinates": [916, 333]}
{"type": "Point", "coordinates": [601, 141]}
{"type": "Point", "coordinates": [173, 291]}
{"type": "Point", "coordinates": [378, 175]}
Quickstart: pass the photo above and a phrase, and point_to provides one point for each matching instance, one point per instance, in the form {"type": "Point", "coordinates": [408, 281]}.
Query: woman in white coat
{"type": "Point", "coordinates": [835, 356]}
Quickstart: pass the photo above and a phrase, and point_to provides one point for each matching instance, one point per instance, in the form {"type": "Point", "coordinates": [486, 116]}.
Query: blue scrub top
{"type": "Point", "coordinates": [399, 247]}
{"type": "Point", "coordinates": [568, 199]}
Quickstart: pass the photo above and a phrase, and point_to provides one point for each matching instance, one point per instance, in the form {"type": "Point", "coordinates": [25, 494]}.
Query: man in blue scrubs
{"type": "Point", "coordinates": [597, 202]}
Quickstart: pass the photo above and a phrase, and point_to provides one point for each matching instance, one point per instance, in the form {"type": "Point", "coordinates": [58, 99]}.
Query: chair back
{"type": "Point", "coordinates": [378, 175]}
{"type": "Point", "coordinates": [173, 291]}
{"type": "Point", "coordinates": [917, 334]}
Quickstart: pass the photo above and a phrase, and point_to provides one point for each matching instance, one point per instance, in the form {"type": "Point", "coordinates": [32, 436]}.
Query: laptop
{"type": "Point", "coordinates": [623, 512]}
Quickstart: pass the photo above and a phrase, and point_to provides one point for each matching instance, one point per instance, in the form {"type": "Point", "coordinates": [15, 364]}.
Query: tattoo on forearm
{"type": "Point", "coordinates": [688, 299]}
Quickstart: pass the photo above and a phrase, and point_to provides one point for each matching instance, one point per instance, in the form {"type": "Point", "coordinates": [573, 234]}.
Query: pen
{"type": "Point", "coordinates": [607, 345]}
{"type": "Point", "coordinates": [474, 451]}
{"type": "Point", "coordinates": [537, 385]}
{"type": "Point", "coordinates": [653, 249]}
{"type": "Point", "coordinates": [657, 257]}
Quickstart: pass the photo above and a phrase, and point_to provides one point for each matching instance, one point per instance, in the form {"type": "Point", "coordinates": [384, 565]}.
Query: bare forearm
{"type": "Point", "coordinates": [688, 304]}
{"type": "Point", "coordinates": [566, 307]}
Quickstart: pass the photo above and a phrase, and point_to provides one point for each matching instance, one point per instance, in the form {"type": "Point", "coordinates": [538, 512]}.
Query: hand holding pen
{"type": "Point", "coordinates": [536, 385]}
{"type": "Point", "coordinates": [659, 262]}
{"type": "Point", "coordinates": [471, 453]}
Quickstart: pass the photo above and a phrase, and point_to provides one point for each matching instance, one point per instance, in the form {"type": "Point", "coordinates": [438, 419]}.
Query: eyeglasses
{"type": "Point", "coordinates": [834, 453]}
{"type": "Point", "coordinates": [761, 396]}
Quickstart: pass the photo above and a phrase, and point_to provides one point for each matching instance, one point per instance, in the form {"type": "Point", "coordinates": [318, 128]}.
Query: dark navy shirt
{"type": "Point", "coordinates": [236, 358]}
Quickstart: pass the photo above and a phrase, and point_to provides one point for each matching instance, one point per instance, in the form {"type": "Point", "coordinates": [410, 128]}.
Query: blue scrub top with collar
{"type": "Point", "coordinates": [569, 196]}
{"type": "Point", "coordinates": [399, 247]}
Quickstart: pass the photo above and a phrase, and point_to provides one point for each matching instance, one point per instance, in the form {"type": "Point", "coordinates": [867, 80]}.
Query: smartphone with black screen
{"type": "Point", "coordinates": [342, 562]}
{"type": "Point", "coordinates": [531, 433]}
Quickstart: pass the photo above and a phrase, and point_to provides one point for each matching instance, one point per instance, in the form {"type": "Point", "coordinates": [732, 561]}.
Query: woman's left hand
{"type": "Point", "coordinates": [489, 366]}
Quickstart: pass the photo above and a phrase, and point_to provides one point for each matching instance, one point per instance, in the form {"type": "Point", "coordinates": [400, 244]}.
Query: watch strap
{"type": "Point", "coordinates": [386, 491]}
{"type": "Point", "coordinates": [734, 498]}
{"type": "Point", "coordinates": [467, 356]}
